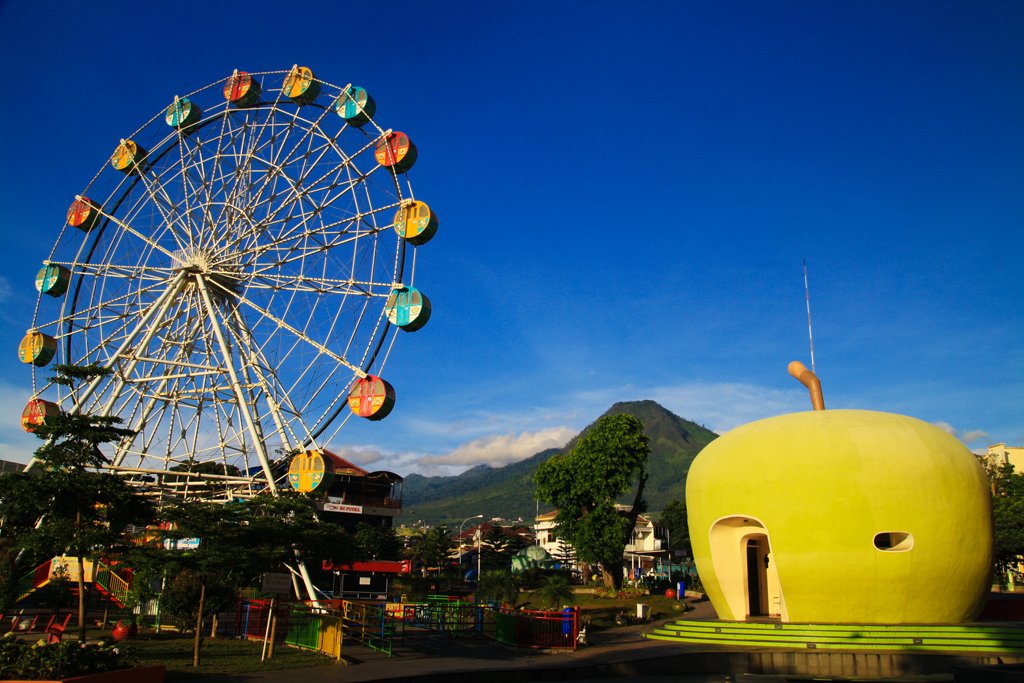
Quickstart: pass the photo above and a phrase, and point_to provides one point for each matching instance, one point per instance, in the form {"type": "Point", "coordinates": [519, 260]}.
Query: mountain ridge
{"type": "Point", "coordinates": [508, 491]}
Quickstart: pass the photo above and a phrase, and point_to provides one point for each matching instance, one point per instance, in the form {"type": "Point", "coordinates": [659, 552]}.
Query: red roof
{"type": "Point", "coordinates": [344, 467]}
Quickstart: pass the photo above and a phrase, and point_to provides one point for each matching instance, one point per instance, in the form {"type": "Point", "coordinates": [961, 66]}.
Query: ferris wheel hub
{"type": "Point", "coordinates": [213, 266]}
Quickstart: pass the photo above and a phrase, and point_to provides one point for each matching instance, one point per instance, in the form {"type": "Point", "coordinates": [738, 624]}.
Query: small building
{"type": "Point", "coordinates": [356, 496]}
{"type": "Point", "coordinates": [1000, 454]}
{"type": "Point", "coordinates": [8, 466]}
{"type": "Point", "coordinates": [641, 555]}
{"type": "Point", "coordinates": [647, 549]}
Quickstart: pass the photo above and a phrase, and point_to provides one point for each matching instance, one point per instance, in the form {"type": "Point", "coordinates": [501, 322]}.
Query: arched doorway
{"type": "Point", "coordinates": [748, 579]}
{"type": "Point", "coordinates": [757, 576]}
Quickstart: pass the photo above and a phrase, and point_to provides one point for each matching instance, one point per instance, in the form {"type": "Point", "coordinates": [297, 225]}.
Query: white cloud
{"type": "Point", "coordinates": [498, 450]}
{"type": "Point", "coordinates": [973, 435]}
{"type": "Point", "coordinates": [364, 456]}
{"type": "Point", "coordinates": [968, 436]}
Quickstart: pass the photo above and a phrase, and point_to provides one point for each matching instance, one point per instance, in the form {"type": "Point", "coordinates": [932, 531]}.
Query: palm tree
{"type": "Point", "coordinates": [498, 586]}
{"type": "Point", "coordinates": [555, 592]}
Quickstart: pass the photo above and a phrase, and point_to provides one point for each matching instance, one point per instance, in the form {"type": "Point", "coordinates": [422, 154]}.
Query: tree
{"type": "Point", "coordinates": [242, 539]}
{"type": "Point", "coordinates": [674, 519]}
{"type": "Point", "coordinates": [498, 546]}
{"type": "Point", "coordinates": [1007, 517]}
{"type": "Point", "coordinates": [67, 503]}
{"type": "Point", "coordinates": [375, 543]}
{"type": "Point", "coordinates": [500, 586]}
{"type": "Point", "coordinates": [430, 548]}
{"type": "Point", "coordinates": [584, 484]}
{"type": "Point", "coordinates": [555, 591]}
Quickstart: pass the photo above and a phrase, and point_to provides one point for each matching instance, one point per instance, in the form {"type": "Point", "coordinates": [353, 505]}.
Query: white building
{"type": "Point", "coordinates": [647, 543]}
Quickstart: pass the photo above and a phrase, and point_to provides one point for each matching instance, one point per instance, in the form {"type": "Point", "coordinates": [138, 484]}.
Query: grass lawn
{"type": "Point", "coordinates": [218, 656]}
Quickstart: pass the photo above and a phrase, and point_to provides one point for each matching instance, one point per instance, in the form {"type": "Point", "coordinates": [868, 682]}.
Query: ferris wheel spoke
{"type": "Point", "coordinates": [145, 239]}
{"type": "Point", "coordinates": [311, 284]}
{"type": "Point", "coordinates": [251, 421]}
{"type": "Point", "coordinates": [300, 335]}
{"type": "Point", "coordinates": [300, 187]}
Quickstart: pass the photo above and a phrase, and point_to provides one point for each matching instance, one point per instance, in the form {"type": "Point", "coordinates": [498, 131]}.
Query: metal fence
{"type": "Point", "coordinates": [532, 628]}
{"type": "Point", "coordinates": [377, 625]}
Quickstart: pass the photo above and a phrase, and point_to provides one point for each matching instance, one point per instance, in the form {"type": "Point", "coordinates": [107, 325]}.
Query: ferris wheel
{"type": "Point", "coordinates": [242, 265]}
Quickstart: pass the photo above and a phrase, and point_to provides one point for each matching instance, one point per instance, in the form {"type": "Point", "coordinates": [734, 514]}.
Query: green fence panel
{"type": "Point", "coordinates": [505, 627]}
{"type": "Point", "coordinates": [303, 630]}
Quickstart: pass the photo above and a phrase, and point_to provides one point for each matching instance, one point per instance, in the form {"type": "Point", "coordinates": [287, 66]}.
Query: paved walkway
{"type": "Point", "coordinates": [481, 659]}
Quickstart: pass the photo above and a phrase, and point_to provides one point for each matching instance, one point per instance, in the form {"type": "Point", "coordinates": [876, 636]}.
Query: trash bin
{"type": "Point", "coordinates": [642, 611]}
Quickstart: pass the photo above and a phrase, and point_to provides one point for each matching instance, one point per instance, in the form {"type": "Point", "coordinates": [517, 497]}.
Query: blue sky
{"type": "Point", "coordinates": [626, 195]}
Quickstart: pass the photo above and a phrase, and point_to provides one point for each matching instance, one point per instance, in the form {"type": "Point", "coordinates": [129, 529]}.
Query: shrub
{"type": "Point", "coordinates": [31, 661]}
{"type": "Point", "coordinates": [624, 592]}
{"type": "Point", "coordinates": [180, 599]}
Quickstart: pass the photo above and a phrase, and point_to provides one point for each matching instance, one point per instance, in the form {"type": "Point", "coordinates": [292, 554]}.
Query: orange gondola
{"type": "Point", "coordinates": [37, 349]}
{"type": "Point", "coordinates": [416, 222]}
{"type": "Point", "coordinates": [300, 85]}
{"type": "Point", "coordinates": [241, 89]}
{"type": "Point", "coordinates": [83, 213]}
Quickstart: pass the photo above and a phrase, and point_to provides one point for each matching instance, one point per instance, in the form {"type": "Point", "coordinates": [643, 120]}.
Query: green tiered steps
{"type": "Point", "coordinates": [963, 638]}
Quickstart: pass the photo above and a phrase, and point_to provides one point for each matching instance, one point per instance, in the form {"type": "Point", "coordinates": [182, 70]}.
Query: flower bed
{"type": "Point", "coordinates": [100, 662]}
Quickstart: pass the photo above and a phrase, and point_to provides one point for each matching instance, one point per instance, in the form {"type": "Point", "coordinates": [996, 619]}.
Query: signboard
{"type": "Point", "coordinates": [181, 543]}
{"type": "Point", "coordinates": [341, 507]}
{"type": "Point", "coordinates": [277, 583]}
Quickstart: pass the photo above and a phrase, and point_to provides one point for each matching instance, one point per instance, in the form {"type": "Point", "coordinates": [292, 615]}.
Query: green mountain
{"type": "Point", "coordinates": [508, 491]}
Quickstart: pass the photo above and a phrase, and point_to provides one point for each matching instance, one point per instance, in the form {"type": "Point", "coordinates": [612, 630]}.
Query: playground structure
{"type": "Point", "coordinates": [112, 582]}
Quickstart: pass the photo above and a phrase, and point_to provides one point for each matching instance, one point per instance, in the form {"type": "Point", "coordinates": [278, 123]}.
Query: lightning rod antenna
{"type": "Point", "coordinates": [810, 334]}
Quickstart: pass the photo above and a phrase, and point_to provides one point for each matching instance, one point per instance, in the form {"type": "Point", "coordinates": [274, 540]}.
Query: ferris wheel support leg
{"type": "Point", "coordinates": [259, 364]}
{"type": "Point", "coordinates": [306, 581]}
{"type": "Point", "coordinates": [119, 455]}
{"type": "Point", "coordinates": [243, 407]}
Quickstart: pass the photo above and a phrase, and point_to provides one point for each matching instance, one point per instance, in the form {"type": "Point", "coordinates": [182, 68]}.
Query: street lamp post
{"type": "Point", "coordinates": [460, 539]}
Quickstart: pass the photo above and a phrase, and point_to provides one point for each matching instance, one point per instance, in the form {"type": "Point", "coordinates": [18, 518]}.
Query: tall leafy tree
{"type": "Point", "coordinates": [498, 546]}
{"type": "Point", "coordinates": [584, 485]}
{"type": "Point", "coordinates": [1007, 517]}
{"type": "Point", "coordinates": [67, 503]}
{"type": "Point", "coordinates": [430, 548]}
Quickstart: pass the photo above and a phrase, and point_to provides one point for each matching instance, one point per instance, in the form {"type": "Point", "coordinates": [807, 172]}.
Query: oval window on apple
{"type": "Point", "coordinates": [894, 541]}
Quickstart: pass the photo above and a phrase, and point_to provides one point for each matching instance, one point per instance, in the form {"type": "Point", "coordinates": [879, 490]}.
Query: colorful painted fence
{"type": "Point", "coordinates": [532, 628]}
{"type": "Point", "coordinates": [377, 625]}
{"type": "Point", "coordinates": [315, 629]}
